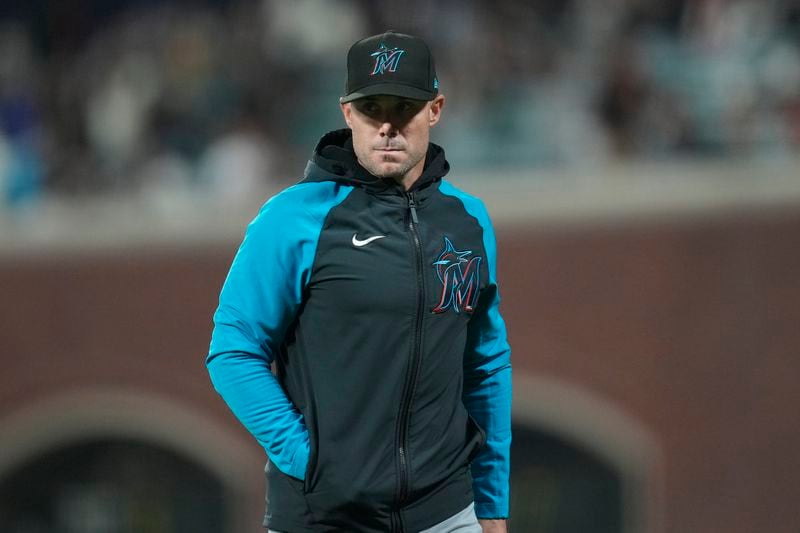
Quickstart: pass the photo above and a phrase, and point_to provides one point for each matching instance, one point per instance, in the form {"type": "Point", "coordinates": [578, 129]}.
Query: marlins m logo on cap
{"type": "Point", "coordinates": [386, 59]}
{"type": "Point", "coordinates": [373, 68]}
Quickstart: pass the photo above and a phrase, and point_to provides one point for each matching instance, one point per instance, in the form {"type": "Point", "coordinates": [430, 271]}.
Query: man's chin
{"type": "Point", "coordinates": [388, 170]}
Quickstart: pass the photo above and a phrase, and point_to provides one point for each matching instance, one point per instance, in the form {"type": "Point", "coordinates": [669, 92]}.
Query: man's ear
{"type": "Point", "coordinates": [435, 110]}
{"type": "Point", "coordinates": [347, 112]}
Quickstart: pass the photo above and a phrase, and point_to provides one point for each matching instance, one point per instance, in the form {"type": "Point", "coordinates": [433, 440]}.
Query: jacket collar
{"type": "Point", "coordinates": [335, 160]}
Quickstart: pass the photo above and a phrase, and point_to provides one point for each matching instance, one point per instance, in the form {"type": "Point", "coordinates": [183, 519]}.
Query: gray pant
{"type": "Point", "coordinates": [462, 522]}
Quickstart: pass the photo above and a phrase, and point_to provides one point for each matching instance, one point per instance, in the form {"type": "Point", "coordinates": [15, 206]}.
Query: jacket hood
{"type": "Point", "coordinates": [335, 160]}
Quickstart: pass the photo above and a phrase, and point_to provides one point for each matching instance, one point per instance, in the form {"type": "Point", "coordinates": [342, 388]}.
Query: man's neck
{"type": "Point", "coordinates": [410, 178]}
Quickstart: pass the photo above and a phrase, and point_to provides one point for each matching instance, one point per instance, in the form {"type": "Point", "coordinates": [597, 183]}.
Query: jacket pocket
{"type": "Point", "coordinates": [310, 478]}
{"type": "Point", "coordinates": [285, 496]}
{"type": "Point", "coordinates": [477, 437]}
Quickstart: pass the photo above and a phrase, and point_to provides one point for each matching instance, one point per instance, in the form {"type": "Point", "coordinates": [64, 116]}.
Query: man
{"type": "Point", "coordinates": [371, 287]}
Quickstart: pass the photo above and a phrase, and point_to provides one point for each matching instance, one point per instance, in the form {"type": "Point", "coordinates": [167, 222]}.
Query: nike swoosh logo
{"type": "Point", "coordinates": [359, 243]}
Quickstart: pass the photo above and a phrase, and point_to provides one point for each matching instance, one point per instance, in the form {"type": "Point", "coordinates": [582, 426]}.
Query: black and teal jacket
{"type": "Point", "coordinates": [389, 408]}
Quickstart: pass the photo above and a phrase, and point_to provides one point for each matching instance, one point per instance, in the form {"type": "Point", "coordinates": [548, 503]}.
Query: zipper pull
{"type": "Point", "coordinates": [413, 207]}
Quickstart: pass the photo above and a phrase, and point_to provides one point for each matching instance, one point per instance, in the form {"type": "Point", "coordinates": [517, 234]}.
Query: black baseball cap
{"type": "Point", "coordinates": [390, 63]}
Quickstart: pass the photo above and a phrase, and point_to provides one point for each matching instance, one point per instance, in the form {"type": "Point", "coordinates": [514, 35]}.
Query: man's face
{"type": "Point", "coordinates": [391, 134]}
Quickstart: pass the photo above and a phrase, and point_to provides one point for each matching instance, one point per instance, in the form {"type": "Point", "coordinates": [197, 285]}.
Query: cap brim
{"type": "Point", "coordinates": [390, 89]}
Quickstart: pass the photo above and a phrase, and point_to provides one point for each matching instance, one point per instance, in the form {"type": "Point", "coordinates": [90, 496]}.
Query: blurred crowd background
{"type": "Point", "coordinates": [223, 97]}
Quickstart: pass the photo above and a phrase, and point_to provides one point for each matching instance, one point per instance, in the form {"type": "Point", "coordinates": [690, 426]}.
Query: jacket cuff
{"type": "Point", "coordinates": [299, 462]}
{"type": "Point", "coordinates": [489, 511]}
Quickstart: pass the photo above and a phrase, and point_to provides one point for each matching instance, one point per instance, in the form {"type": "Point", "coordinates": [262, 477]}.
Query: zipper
{"type": "Point", "coordinates": [414, 363]}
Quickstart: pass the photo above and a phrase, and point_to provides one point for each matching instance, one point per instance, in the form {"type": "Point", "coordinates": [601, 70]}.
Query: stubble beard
{"type": "Point", "coordinates": [395, 172]}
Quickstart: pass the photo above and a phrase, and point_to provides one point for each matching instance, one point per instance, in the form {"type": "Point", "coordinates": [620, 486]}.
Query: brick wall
{"type": "Point", "coordinates": [690, 327]}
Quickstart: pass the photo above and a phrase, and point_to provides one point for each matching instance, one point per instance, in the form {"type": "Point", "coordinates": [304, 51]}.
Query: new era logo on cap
{"type": "Point", "coordinates": [390, 63]}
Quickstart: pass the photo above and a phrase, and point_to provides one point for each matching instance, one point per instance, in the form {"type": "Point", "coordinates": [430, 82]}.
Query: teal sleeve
{"type": "Point", "coordinates": [487, 380]}
{"type": "Point", "coordinates": [487, 397]}
{"type": "Point", "coordinates": [259, 300]}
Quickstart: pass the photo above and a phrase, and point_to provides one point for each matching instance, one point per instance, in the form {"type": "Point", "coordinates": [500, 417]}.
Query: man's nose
{"type": "Point", "coordinates": [387, 128]}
